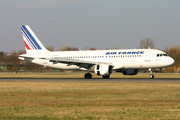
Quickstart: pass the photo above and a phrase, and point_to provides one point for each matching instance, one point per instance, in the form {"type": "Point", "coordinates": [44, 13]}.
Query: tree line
{"type": "Point", "coordinates": [13, 64]}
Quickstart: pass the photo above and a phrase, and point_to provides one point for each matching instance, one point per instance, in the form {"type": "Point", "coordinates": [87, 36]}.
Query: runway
{"type": "Point", "coordinates": [143, 80]}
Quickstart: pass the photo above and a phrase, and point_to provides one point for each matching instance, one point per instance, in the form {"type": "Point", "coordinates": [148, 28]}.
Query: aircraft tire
{"type": "Point", "coordinates": [151, 76]}
{"type": "Point", "coordinates": [106, 77]}
{"type": "Point", "coordinates": [88, 76]}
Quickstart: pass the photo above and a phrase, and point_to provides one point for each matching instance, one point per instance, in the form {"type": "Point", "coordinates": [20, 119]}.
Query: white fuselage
{"type": "Point", "coordinates": [119, 59]}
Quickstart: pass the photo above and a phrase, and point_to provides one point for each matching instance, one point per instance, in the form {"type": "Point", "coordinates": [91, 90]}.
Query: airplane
{"type": "Point", "coordinates": [104, 62]}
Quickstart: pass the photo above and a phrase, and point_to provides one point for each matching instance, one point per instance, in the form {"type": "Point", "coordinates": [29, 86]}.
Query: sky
{"type": "Point", "coordinates": [90, 23]}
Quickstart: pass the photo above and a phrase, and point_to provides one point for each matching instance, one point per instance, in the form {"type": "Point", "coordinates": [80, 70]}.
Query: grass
{"type": "Point", "coordinates": [89, 100]}
{"type": "Point", "coordinates": [81, 75]}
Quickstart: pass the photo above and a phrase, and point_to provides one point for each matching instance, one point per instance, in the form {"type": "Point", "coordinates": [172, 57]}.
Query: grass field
{"type": "Point", "coordinates": [89, 100]}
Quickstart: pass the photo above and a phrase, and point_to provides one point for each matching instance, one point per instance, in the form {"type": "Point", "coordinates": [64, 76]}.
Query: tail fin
{"type": "Point", "coordinates": [31, 42]}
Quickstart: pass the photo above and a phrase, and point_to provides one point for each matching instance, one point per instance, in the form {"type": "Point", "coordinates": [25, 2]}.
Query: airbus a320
{"type": "Point", "coordinates": [126, 61]}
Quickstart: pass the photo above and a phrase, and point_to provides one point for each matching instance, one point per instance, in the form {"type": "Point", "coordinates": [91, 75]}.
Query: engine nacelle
{"type": "Point", "coordinates": [103, 69]}
{"type": "Point", "coordinates": [128, 71]}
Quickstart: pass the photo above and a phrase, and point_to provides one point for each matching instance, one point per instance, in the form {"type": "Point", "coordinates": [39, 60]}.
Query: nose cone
{"type": "Point", "coordinates": [170, 61]}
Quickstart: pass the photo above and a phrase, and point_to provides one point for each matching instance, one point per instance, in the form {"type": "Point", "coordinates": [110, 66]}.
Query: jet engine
{"type": "Point", "coordinates": [128, 71]}
{"type": "Point", "coordinates": [103, 69]}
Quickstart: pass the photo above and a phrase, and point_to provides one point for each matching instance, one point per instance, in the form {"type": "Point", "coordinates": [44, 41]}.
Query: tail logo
{"type": "Point", "coordinates": [27, 47]}
{"type": "Point", "coordinates": [29, 41]}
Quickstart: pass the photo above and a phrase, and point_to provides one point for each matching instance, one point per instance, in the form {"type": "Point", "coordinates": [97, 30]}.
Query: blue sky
{"type": "Point", "coordinates": [94, 23]}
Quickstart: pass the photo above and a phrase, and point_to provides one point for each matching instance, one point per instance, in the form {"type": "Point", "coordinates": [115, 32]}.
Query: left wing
{"type": "Point", "coordinates": [79, 63]}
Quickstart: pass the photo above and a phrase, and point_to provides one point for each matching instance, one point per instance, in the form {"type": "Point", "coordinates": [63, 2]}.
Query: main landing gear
{"type": "Point", "coordinates": [106, 76]}
{"type": "Point", "coordinates": [151, 76]}
{"type": "Point", "coordinates": [88, 75]}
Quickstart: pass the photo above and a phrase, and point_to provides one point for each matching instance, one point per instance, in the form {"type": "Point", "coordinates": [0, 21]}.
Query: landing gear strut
{"type": "Point", "coordinates": [151, 76]}
{"type": "Point", "coordinates": [88, 75]}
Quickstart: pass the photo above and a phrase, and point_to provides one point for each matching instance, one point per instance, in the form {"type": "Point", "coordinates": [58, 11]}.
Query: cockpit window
{"type": "Point", "coordinates": [160, 55]}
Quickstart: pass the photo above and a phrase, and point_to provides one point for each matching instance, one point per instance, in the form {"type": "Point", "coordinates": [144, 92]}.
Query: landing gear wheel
{"type": "Point", "coordinates": [151, 76]}
{"type": "Point", "coordinates": [88, 76]}
{"type": "Point", "coordinates": [106, 77]}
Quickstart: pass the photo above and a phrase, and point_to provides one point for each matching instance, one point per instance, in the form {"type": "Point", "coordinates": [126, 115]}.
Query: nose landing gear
{"type": "Point", "coordinates": [151, 76]}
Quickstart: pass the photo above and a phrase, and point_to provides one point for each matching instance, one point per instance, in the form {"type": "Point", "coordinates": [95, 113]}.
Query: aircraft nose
{"type": "Point", "coordinates": [171, 61]}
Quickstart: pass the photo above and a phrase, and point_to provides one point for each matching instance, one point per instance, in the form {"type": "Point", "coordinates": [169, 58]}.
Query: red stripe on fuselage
{"type": "Point", "coordinates": [27, 47]}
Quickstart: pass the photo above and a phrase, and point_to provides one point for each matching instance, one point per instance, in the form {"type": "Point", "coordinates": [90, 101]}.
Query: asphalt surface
{"type": "Point", "coordinates": [143, 80]}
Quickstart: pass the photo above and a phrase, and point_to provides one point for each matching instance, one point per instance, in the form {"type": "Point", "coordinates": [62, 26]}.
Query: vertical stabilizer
{"type": "Point", "coordinates": [31, 42]}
